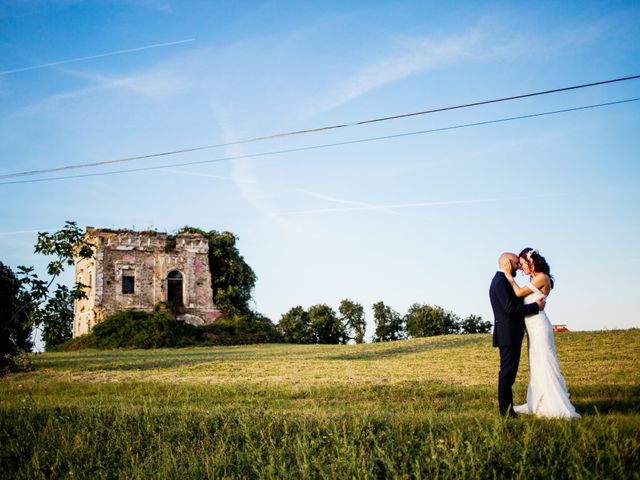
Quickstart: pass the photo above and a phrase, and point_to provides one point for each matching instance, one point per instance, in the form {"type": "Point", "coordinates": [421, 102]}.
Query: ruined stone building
{"type": "Point", "coordinates": [139, 270]}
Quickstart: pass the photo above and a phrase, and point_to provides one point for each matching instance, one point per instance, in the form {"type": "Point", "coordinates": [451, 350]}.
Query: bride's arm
{"type": "Point", "coordinates": [519, 291]}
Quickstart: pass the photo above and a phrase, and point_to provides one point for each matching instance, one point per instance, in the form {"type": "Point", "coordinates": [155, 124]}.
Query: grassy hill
{"type": "Point", "coordinates": [421, 408]}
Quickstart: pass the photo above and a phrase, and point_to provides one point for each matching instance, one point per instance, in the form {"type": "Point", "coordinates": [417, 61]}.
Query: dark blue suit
{"type": "Point", "coordinates": [508, 332]}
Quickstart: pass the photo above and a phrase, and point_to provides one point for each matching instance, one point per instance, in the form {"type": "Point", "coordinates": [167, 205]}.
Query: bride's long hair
{"type": "Point", "coordinates": [537, 261]}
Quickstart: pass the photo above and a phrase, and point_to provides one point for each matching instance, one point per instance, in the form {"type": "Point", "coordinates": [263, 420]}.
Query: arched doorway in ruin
{"type": "Point", "coordinates": [174, 291]}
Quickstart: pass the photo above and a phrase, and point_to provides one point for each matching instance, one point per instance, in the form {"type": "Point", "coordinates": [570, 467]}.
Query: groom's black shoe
{"type": "Point", "coordinates": [509, 414]}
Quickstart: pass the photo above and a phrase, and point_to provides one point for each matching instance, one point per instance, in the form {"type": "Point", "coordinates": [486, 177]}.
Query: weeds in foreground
{"type": "Point", "coordinates": [168, 443]}
{"type": "Point", "coordinates": [424, 408]}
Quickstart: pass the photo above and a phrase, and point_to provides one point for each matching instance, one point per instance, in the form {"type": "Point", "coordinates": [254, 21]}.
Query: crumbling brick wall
{"type": "Point", "coordinates": [138, 270]}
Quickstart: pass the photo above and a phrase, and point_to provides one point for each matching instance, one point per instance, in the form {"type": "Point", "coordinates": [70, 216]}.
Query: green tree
{"type": "Point", "coordinates": [254, 327]}
{"type": "Point", "coordinates": [326, 326]}
{"type": "Point", "coordinates": [232, 279]}
{"type": "Point", "coordinates": [64, 246]}
{"type": "Point", "coordinates": [352, 317]}
{"type": "Point", "coordinates": [389, 323]}
{"type": "Point", "coordinates": [57, 318]}
{"type": "Point", "coordinates": [295, 326]}
{"type": "Point", "coordinates": [450, 323]}
{"type": "Point", "coordinates": [14, 326]}
{"type": "Point", "coordinates": [425, 321]}
{"type": "Point", "coordinates": [475, 324]}
{"type": "Point", "coordinates": [25, 305]}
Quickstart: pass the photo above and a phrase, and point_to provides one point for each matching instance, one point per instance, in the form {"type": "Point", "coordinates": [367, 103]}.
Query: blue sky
{"type": "Point", "coordinates": [418, 218]}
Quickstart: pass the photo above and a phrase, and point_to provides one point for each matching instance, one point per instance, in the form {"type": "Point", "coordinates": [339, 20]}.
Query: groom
{"type": "Point", "coordinates": [508, 329]}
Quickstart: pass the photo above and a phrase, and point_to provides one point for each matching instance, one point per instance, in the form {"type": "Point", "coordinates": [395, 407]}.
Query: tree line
{"type": "Point", "coordinates": [322, 324]}
{"type": "Point", "coordinates": [28, 302]}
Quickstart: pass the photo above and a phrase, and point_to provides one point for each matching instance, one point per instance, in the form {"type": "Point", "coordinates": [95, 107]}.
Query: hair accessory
{"type": "Point", "coordinates": [531, 252]}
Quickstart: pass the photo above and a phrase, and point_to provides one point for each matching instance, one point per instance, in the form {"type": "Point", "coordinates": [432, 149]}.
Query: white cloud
{"type": "Point", "coordinates": [303, 191]}
{"type": "Point", "coordinates": [160, 81]}
{"type": "Point", "coordinates": [152, 83]}
{"type": "Point", "coordinates": [411, 55]}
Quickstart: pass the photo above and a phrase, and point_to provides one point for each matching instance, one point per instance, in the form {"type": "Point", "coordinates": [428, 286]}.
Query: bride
{"type": "Point", "coordinates": [547, 394]}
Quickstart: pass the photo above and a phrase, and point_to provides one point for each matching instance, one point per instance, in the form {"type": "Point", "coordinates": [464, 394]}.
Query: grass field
{"type": "Point", "coordinates": [421, 408]}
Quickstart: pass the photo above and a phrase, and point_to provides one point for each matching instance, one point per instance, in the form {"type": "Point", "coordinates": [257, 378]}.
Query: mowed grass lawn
{"type": "Point", "coordinates": [420, 408]}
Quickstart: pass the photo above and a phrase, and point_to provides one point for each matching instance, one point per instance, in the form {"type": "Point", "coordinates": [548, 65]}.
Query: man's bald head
{"type": "Point", "coordinates": [507, 256]}
{"type": "Point", "coordinates": [512, 258]}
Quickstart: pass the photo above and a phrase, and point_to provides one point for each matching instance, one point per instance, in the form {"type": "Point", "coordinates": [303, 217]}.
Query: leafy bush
{"type": "Point", "coordinates": [136, 329]}
{"type": "Point", "coordinates": [240, 330]}
{"type": "Point", "coordinates": [159, 329]}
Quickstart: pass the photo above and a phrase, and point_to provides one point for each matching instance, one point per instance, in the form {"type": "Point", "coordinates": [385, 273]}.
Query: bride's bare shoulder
{"type": "Point", "coordinates": [541, 280]}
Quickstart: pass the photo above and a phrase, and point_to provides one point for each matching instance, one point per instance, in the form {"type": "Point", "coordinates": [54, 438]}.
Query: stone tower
{"type": "Point", "coordinates": [138, 270]}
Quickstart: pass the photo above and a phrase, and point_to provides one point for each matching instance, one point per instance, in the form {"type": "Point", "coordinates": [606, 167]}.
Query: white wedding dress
{"type": "Point", "coordinates": [547, 394]}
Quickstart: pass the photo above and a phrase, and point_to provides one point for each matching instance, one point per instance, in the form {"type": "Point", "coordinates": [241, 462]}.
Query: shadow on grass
{"type": "Point", "coordinates": [121, 361]}
{"type": "Point", "coordinates": [400, 347]}
{"type": "Point", "coordinates": [136, 359]}
{"type": "Point", "coordinates": [603, 399]}
{"type": "Point", "coordinates": [128, 360]}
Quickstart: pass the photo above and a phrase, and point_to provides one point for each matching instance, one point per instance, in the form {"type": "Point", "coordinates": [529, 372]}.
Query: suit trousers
{"type": "Point", "coordinates": [509, 362]}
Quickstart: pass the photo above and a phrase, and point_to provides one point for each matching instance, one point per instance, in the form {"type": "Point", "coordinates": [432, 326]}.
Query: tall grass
{"type": "Point", "coordinates": [170, 443]}
{"type": "Point", "coordinates": [423, 408]}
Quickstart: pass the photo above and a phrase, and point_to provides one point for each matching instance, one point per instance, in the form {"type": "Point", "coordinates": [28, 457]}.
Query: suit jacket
{"type": "Point", "coordinates": [508, 312]}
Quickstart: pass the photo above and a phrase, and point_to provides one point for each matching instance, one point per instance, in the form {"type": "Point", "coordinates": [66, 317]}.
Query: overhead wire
{"type": "Point", "coordinates": [329, 145]}
{"type": "Point", "coordinates": [313, 130]}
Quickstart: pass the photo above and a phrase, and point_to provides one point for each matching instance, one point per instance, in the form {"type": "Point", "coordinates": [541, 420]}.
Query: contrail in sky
{"type": "Point", "coordinates": [90, 57]}
{"type": "Point", "coordinates": [409, 205]}
{"type": "Point", "coordinates": [304, 191]}
{"type": "Point", "coordinates": [20, 232]}
{"type": "Point", "coordinates": [379, 207]}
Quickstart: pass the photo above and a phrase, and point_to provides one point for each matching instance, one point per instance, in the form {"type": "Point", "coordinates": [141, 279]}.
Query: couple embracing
{"type": "Point", "coordinates": [547, 394]}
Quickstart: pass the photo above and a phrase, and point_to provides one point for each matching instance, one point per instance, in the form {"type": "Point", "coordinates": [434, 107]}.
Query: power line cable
{"type": "Point", "coordinates": [312, 130]}
{"type": "Point", "coordinates": [329, 145]}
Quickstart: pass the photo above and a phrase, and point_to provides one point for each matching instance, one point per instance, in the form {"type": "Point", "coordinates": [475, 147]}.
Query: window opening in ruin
{"type": "Point", "coordinates": [174, 291]}
{"type": "Point", "coordinates": [128, 284]}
